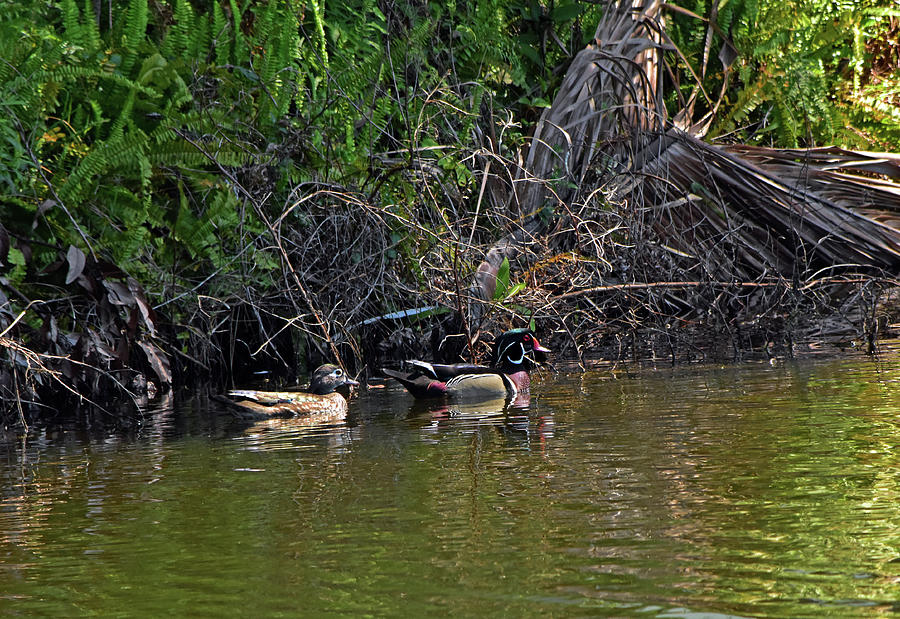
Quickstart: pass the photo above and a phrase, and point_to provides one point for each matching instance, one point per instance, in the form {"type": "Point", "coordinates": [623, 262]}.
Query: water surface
{"type": "Point", "coordinates": [750, 490]}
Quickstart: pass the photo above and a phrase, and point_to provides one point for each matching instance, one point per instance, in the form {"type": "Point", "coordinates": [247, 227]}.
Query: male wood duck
{"type": "Point", "coordinates": [322, 399]}
{"type": "Point", "coordinates": [506, 377]}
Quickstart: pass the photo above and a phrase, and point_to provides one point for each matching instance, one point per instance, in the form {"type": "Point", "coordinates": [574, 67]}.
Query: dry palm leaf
{"type": "Point", "coordinates": [780, 212]}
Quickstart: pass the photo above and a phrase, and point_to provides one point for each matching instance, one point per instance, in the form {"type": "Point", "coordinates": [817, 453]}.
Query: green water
{"type": "Point", "coordinates": [749, 490]}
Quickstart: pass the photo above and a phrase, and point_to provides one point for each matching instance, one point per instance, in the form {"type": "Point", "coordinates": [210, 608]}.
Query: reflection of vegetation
{"type": "Point", "coordinates": [750, 491]}
{"type": "Point", "coordinates": [793, 503]}
{"type": "Point", "coordinates": [197, 188]}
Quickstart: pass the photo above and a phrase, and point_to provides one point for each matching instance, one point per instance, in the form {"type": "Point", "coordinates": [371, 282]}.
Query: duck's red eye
{"type": "Point", "coordinates": [527, 338]}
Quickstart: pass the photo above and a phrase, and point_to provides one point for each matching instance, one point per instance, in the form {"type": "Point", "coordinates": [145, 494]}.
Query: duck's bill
{"type": "Point", "coordinates": [539, 348]}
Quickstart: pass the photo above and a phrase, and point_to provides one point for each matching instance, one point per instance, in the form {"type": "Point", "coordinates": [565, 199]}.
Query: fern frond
{"type": "Point", "coordinates": [786, 124]}
{"type": "Point", "coordinates": [221, 33]}
{"type": "Point", "coordinates": [135, 32]}
{"type": "Point", "coordinates": [186, 154]}
{"type": "Point", "coordinates": [90, 31]}
{"type": "Point", "coordinates": [71, 21]}
{"type": "Point", "coordinates": [318, 11]}
{"type": "Point", "coordinates": [120, 153]}
{"type": "Point", "coordinates": [123, 119]}
{"type": "Point", "coordinates": [748, 100]}
{"type": "Point", "coordinates": [241, 51]}
{"type": "Point", "coordinates": [67, 73]}
{"type": "Point", "coordinates": [133, 35]}
{"type": "Point", "coordinates": [277, 33]}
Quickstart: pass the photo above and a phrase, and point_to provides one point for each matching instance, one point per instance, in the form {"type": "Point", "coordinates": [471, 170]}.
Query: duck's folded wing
{"type": "Point", "coordinates": [446, 371]}
{"type": "Point", "coordinates": [265, 397]}
{"type": "Point", "coordinates": [480, 385]}
{"type": "Point", "coordinates": [264, 404]}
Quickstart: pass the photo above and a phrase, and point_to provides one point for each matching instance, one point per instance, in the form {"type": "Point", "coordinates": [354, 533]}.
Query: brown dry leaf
{"type": "Point", "coordinates": [158, 361]}
{"type": "Point", "coordinates": [118, 293]}
{"type": "Point", "coordinates": [76, 259]}
{"type": "Point", "coordinates": [147, 312]}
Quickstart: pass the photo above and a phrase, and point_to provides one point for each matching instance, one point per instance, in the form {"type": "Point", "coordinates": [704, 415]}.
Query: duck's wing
{"type": "Point", "coordinates": [482, 385]}
{"type": "Point", "coordinates": [254, 404]}
{"type": "Point", "coordinates": [446, 371]}
{"type": "Point", "coordinates": [268, 397]}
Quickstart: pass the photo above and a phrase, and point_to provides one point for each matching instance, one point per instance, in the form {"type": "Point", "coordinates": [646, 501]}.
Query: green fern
{"type": "Point", "coordinates": [189, 35]}
{"type": "Point", "coordinates": [135, 27]}
{"type": "Point", "coordinates": [222, 35]}
{"type": "Point", "coordinates": [174, 151]}
{"type": "Point", "coordinates": [240, 49]}
{"type": "Point", "coordinates": [319, 43]}
{"type": "Point", "coordinates": [120, 152]}
{"type": "Point", "coordinates": [128, 235]}
{"type": "Point", "coordinates": [196, 235]}
{"type": "Point", "coordinates": [73, 29]}
{"type": "Point", "coordinates": [162, 77]}
{"type": "Point", "coordinates": [277, 32]}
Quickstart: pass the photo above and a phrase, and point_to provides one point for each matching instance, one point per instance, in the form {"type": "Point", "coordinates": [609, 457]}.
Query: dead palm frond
{"type": "Point", "coordinates": [747, 212]}
{"type": "Point", "coordinates": [784, 217]}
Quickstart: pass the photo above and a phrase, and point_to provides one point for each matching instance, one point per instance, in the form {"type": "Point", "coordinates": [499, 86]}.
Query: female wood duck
{"type": "Point", "coordinates": [322, 399]}
{"type": "Point", "coordinates": [506, 377]}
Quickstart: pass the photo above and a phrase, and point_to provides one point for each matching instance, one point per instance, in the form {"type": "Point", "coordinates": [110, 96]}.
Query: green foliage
{"type": "Point", "coordinates": [160, 137]}
{"type": "Point", "coordinates": [356, 32]}
{"type": "Point", "coordinates": [516, 47]}
{"type": "Point", "coordinates": [504, 290]}
{"type": "Point", "coordinates": [15, 260]}
{"type": "Point", "coordinates": [101, 128]}
{"type": "Point", "coordinates": [799, 64]}
{"type": "Point", "coordinates": [79, 30]}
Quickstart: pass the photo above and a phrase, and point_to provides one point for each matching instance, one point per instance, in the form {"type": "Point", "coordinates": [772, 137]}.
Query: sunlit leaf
{"type": "Point", "coordinates": [500, 291]}
{"type": "Point", "coordinates": [75, 258]}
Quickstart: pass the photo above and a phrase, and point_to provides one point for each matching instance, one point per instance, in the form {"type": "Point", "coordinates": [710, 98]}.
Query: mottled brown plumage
{"type": "Point", "coordinates": [323, 398]}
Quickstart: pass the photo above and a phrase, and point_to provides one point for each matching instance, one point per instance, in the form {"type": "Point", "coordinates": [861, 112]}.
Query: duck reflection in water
{"type": "Point", "coordinates": [510, 418]}
{"type": "Point", "coordinates": [464, 394]}
{"type": "Point", "coordinates": [332, 433]}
